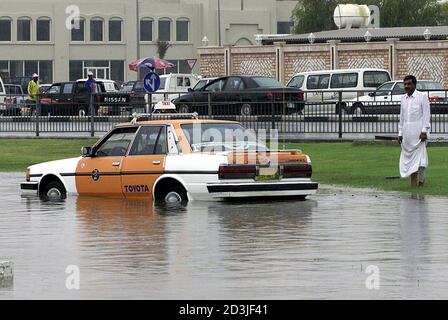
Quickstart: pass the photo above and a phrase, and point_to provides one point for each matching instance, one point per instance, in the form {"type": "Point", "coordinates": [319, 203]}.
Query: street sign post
{"type": "Point", "coordinates": [151, 83]}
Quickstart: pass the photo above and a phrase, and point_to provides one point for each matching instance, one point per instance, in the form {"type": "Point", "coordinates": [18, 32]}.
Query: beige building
{"type": "Point", "coordinates": [45, 36]}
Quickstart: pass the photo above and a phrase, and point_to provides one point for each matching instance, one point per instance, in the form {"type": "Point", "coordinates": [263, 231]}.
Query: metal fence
{"type": "Point", "coordinates": [290, 112]}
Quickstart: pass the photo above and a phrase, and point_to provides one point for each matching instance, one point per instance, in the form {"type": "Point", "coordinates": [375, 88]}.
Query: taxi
{"type": "Point", "coordinates": [176, 158]}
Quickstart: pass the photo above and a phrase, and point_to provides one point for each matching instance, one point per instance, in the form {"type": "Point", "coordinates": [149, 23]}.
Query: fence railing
{"type": "Point", "coordinates": [290, 112]}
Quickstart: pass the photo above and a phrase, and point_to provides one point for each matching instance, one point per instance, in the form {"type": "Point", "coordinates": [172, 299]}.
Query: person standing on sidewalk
{"type": "Point", "coordinates": [33, 93]}
{"type": "Point", "coordinates": [414, 129]}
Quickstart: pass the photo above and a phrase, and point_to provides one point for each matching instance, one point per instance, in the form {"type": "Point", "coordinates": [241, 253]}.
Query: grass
{"type": "Point", "coordinates": [344, 164]}
{"type": "Point", "coordinates": [17, 154]}
{"type": "Point", "coordinates": [368, 165]}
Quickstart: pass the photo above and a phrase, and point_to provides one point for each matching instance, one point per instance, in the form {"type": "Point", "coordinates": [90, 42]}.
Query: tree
{"type": "Point", "coordinates": [317, 15]}
{"type": "Point", "coordinates": [162, 48]}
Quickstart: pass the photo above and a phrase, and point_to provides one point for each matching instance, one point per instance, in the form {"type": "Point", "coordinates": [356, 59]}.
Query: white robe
{"type": "Point", "coordinates": [415, 118]}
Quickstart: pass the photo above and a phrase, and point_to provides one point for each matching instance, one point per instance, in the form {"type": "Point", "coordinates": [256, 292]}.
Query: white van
{"type": "Point", "coordinates": [173, 82]}
{"type": "Point", "coordinates": [324, 86]}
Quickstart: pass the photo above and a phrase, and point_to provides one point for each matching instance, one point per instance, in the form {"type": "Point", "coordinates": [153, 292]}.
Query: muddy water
{"type": "Point", "coordinates": [320, 248]}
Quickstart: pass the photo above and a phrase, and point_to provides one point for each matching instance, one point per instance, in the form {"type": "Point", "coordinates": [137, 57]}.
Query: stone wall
{"type": "Point", "coordinates": [426, 60]}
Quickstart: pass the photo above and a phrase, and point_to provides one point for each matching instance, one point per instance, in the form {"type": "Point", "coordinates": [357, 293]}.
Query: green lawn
{"type": "Point", "coordinates": [356, 165]}
{"type": "Point", "coordinates": [17, 154]}
{"type": "Point", "coordinates": [344, 164]}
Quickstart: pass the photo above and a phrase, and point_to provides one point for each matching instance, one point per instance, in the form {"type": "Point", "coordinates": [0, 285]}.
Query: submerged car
{"type": "Point", "coordinates": [176, 158]}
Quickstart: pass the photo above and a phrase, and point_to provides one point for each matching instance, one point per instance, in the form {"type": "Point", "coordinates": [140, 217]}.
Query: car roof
{"type": "Point", "coordinates": [339, 71]}
{"type": "Point", "coordinates": [176, 122]}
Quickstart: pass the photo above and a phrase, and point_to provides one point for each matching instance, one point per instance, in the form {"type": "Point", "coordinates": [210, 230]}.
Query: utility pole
{"type": "Point", "coordinates": [219, 23]}
{"type": "Point", "coordinates": [137, 4]}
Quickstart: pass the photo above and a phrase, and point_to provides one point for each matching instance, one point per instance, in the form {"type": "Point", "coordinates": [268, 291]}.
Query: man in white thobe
{"type": "Point", "coordinates": [414, 130]}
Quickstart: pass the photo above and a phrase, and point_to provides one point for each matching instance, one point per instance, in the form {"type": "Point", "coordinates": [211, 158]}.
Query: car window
{"type": "Point", "coordinates": [216, 86]}
{"type": "Point", "coordinates": [117, 143]}
{"type": "Point", "coordinates": [318, 81]}
{"type": "Point", "coordinates": [399, 89]}
{"type": "Point", "coordinates": [265, 82]}
{"type": "Point", "coordinates": [344, 80]}
{"type": "Point", "coordinates": [429, 85]}
{"type": "Point", "coordinates": [68, 88]}
{"type": "Point", "coordinates": [373, 79]}
{"type": "Point", "coordinates": [385, 89]}
{"type": "Point", "coordinates": [54, 89]}
{"type": "Point", "coordinates": [324, 81]}
{"type": "Point", "coordinates": [180, 81]}
{"type": "Point", "coordinates": [234, 84]}
{"type": "Point", "coordinates": [199, 85]}
{"type": "Point", "coordinates": [187, 82]}
{"type": "Point", "coordinates": [150, 140]}
{"type": "Point", "coordinates": [162, 83]}
{"type": "Point", "coordinates": [296, 82]}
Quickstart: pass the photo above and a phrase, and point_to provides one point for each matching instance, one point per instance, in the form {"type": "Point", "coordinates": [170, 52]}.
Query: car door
{"type": "Point", "coordinates": [383, 98]}
{"type": "Point", "coordinates": [217, 97]}
{"type": "Point", "coordinates": [100, 174]}
{"type": "Point", "coordinates": [145, 162]}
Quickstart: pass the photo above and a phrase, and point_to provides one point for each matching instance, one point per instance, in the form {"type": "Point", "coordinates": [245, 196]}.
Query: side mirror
{"type": "Point", "coordinates": [86, 151]}
{"type": "Point", "coordinates": [372, 94]}
{"type": "Point", "coordinates": [190, 90]}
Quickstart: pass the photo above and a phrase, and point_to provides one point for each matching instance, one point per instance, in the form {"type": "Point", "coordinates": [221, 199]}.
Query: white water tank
{"type": "Point", "coordinates": [348, 16]}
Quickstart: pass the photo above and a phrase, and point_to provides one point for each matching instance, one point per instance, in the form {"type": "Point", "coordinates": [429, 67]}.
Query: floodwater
{"type": "Point", "coordinates": [321, 248]}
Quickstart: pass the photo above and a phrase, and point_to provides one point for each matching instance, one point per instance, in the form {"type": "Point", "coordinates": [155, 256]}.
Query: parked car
{"type": "Point", "coordinates": [201, 84]}
{"type": "Point", "coordinates": [387, 98]}
{"type": "Point", "coordinates": [72, 98]}
{"type": "Point", "coordinates": [242, 95]}
{"type": "Point", "coordinates": [321, 88]}
{"type": "Point", "coordinates": [173, 82]}
{"type": "Point", "coordinates": [137, 93]}
{"type": "Point", "coordinates": [13, 101]}
{"type": "Point", "coordinates": [160, 158]}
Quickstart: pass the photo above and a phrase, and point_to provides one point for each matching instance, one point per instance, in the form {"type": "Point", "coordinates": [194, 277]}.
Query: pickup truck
{"type": "Point", "coordinates": [72, 98]}
{"type": "Point", "coordinates": [12, 102]}
{"type": "Point", "coordinates": [244, 96]}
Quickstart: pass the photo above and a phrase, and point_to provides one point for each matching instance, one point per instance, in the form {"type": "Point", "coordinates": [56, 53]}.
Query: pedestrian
{"type": "Point", "coordinates": [34, 88]}
{"type": "Point", "coordinates": [414, 131]}
{"type": "Point", "coordinates": [90, 84]}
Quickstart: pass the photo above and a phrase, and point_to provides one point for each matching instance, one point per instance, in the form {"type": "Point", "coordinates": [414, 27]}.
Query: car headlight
{"type": "Point", "coordinates": [308, 159]}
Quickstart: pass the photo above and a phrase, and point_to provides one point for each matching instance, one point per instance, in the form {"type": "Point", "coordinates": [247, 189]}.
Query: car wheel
{"type": "Point", "coordinates": [82, 111]}
{"type": "Point", "coordinates": [54, 190]}
{"type": "Point", "coordinates": [358, 110]}
{"type": "Point", "coordinates": [183, 108]}
{"type": "Point", "coordinates": [176, 194]}
{"type": "Point", "coordinates": [246, 110]}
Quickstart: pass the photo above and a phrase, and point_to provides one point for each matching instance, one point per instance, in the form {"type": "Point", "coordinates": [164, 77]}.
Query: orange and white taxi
{"type": "Point", "coordinates": [176, 158]}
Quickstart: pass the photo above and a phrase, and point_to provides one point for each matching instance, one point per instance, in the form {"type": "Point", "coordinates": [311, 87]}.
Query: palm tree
{"type": "Point", "coordinates": [162, 48]}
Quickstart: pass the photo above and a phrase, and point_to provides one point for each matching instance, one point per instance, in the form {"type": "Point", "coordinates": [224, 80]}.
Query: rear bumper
{"type": "Point", "coordinates": [29, 186]}
{"type": "Point", "coordinates": [276, 189]}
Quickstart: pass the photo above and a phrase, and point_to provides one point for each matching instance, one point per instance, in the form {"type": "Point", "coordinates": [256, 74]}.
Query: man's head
{"type": "Point", "coordinates": [90, 74]}
{"type": "Point", "coordinates": [35, 77]}
{"type": "Point", "coordinates": [410, 84]}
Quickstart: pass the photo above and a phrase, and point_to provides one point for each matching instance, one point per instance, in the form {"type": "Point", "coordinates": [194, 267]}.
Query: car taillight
{"type": "Point", "coordinates": [300, 95]}
{"type": "Point", "coordinates": [27, 175]}
{"type": "Point", "coordinates": [237, 172]}
{"type": "Point", "coordinates": [297, 171]}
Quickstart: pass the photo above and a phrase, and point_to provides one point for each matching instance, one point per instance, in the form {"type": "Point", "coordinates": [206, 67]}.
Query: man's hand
{"type": "Point", "coordinates": [400, 139]}
{"type": "Point", "coordinates": [423, 136]}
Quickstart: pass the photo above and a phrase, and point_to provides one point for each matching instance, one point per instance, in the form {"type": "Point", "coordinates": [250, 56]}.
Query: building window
{"type": "Point", "coordinates": [5, 29]}
{"type": "Point", "coordinates": [284, 27]}
{"type": "Point", "coordinates": [102, 69]}
{"type": "Point", "coordinates": [165, 30]}
{"type": "Point", "coordinates": [43, 29]}
{"type": "Point", "coordinates": [146, 26]}
{"type": "Point", "coordinates": [182, 29]}
{"type": "Point", "coordinates": [24, 29]}
{"type": "Point", "coordinates": [20, 72]}
{"type": "Point", "coordinates": [115, 29]}
{"type": "Point", "coordinates": [96, 29]}
{"type": "Point", "coordinates": [78, 28]}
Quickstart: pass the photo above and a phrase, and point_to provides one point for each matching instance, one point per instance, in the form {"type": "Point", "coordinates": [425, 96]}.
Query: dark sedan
{"type": "Point", "coordinates": [242, 95]}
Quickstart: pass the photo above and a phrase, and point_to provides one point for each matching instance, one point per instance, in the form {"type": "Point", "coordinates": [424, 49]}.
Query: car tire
{"type": "Point", "coordinates": [358, 110]}
{"type": "Point", "coordinates": [176, 194]}
{"type": "Point", "coordinates": [53, 190]}
{"type": "Point", "coordinates": [82, 112]}
{"type": "Point", "coordinates": [246, 110]}
{"type": "Point", "coordinates": [183, 108]}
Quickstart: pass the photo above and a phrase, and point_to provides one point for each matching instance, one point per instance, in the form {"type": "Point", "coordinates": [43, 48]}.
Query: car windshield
{"type": "Point", "coordinates": [265, 82]}
{"type": "Point", "coordinates": [221, 137]}
{"type": "Point", "coordinates": [429, 85]}
{"type": "Point", "coordinates": [201, 84]}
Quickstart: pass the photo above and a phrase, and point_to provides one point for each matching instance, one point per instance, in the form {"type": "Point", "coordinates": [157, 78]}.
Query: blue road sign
{"type": "Point", "coordinates": [151, 82]}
